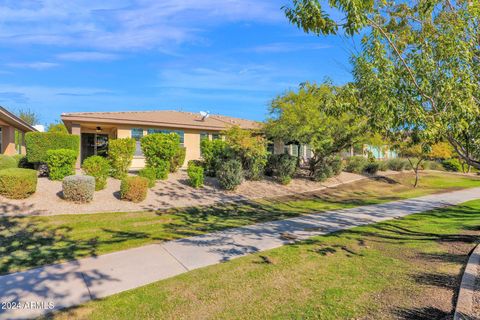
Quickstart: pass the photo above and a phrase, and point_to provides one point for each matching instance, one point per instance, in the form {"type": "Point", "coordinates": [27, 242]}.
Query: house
{"type": "Point", "coordinates": [97, 128]}
{"type": "Point", "coordinates": [12, 133]}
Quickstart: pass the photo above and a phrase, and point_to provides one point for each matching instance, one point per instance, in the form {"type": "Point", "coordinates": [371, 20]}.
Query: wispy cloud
{"type": "Point", "coordinates": [87, 56]}
{"type": "Point", "coordinates": [39, 65]}
{"type": "Point", "coordinates": [124, 24]}
{"type": "Point", "coordinates": [254, 78]}
{"type": "Point", "coordinates": [280, 47]}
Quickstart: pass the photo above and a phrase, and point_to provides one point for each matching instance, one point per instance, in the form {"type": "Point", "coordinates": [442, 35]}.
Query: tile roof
{"type": "Point", "coordinates": [162, 118]}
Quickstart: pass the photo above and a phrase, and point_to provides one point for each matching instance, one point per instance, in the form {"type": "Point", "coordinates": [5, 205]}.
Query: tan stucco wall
{"type": "Point", "coordinates": [191, 142]}
{"type": "Point", "coordinates": [8, 140]}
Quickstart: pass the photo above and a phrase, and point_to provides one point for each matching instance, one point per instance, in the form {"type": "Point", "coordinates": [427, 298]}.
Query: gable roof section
{"type": "Point", "coordinates": [11, 119]}
{"type": "Point", "coordinates": [161, 118]}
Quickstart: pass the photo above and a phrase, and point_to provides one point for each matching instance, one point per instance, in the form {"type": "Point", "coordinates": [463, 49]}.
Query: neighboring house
{"type": "Point", "coordinates": [97, 128]}
{"type": "Point", "coordinates": [12, 133]}
{"type": "Point", "coordinates": [304, 152]}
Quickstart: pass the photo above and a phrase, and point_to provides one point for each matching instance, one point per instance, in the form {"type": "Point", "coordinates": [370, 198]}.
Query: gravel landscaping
{"type": "Point", "coordinates": [174, 192]}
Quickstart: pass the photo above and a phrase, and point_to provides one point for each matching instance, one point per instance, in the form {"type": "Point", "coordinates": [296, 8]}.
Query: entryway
{"type": "Point", "coordinates": [94, 144]}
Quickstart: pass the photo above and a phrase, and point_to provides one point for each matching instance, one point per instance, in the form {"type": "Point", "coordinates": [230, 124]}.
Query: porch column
{"type": "Point", "coordinates": [8, 140]}
{"type": "Point", "coordinates": [77, 131]}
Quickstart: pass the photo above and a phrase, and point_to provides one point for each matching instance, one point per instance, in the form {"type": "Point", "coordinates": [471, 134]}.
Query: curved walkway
{"type": "Point", "coordinates": [76, 282]}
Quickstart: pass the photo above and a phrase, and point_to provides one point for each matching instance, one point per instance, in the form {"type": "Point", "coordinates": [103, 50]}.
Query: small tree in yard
{"type": "Point", "coordinates": [120, 154]}
{"type": "Point", "coordinates": [214, 152]}
{"type": "Point", "coordinates": [416, 148]}
{"type": "Point", "coordinates": [320, 116]}
{"type": "Point", "coordinates": [250, 148]}
{"type": "Point", "coordinates": [159, 149]}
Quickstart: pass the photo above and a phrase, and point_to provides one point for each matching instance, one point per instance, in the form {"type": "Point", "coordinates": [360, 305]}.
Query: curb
{"type": "Point", "coordinates": [464, 309]}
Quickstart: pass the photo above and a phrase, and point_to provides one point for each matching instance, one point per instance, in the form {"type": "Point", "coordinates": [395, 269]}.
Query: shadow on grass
{"type": "Point", "coordinates": [427, 313]}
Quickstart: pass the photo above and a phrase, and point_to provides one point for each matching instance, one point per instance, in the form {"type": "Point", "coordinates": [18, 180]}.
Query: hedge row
{"type": "Point", "coordinates": [39, 143]}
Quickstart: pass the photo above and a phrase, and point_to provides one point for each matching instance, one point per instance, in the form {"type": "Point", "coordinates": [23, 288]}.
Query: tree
{"type": "Point", "coordinates": [57, 127]}
{"type": "Point", "coordinates": [317, 115]}
{"type": "Point", "coordinates": [419, 64]}
{"type": "Point", "coordinates": [250, 147]}
{"type": "Point", "coordinates": [29, 116]}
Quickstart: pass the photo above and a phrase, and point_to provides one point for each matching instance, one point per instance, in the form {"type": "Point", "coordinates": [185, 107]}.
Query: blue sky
{"type": "Point", "coordinates": [230, 57]}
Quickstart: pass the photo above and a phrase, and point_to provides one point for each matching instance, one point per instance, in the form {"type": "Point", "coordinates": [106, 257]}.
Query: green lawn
{"type": "Point", "coordinates": [27, 242]}
{"type": "Point", "coordinates": [407, 268]}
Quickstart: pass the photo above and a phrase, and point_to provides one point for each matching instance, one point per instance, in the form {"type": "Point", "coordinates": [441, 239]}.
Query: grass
{"type": "Point", "coordinates": [27, 242]}
{"type": "Point", "coordinates": [407, 268]}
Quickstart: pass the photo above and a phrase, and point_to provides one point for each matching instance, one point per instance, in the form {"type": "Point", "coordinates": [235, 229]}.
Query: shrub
{"type": "Point", "coordinates": [230, 174]}
{"type": "Point", "coordinates": [79, 189]}
{"type": "Point", "coordinates": [17, 183]}
{"type": "Point", "coordinates": [382, 165]}
{"type": "Point", "coordinates": [214, 152]}
{"type": "Point", "coordinates": [178, 159]}
{"type": "Point", "coordinates": [195, 175]}
{"type": "Point", "coordinates": [39, 143]}
{"type": "Point", "coordinates": [329, 167]}
{"type": "Point", "coordinates": [120, 154]}
{"type": "Point", "coordinates": [250, 148]}
{"type": "Point", "coordinates": [159, 149]}
{"type": "Point", "coordinates": [134, 189]}
{"type": "Point", "coordinates": [453, 165]}
{"type": "Point", "coordinates": [397, 164]}
{"type": "Point", "coordinates": [254, 168]}
{"type": "Point", "coordinates": [7, 162]}
{"type": "Point", "coordinates": [99, 168]}
{"type": "Point", "coordinates": [356, 164]}
{"type": "Point", "coordinates": [162, 170]}
{"type": "Point", "coordinates": [433, 165]}
{"type": "Point", "coordinates": [371, 168]}
{"type": "Point", "coordinates": [337, 165]}
{"type": "Point", "coordinates": [282, 167]}
{"type": "Point", "coordinates": [61, 163]}
{"type": "Point", "coordinates": [150, 174]}
{"type": "Point", "coordinates": [323, 172]}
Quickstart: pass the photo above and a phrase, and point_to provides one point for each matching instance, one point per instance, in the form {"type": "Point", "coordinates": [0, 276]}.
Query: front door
{"type": "Point", "coordinates": [94, 144]}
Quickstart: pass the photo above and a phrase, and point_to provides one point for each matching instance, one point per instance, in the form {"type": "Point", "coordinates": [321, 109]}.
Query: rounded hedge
{"type": "Point", "coordinates": [397, 164]}
{"type": "Point", "coordinates": [356, 164]}
{"type": "Point", "coordinates": [79, 189]}
{"type": "Point", "coordinates": [134, 189]}
{"type": "Point", "coordinates": [150, 174]}
{"type": "Point", "coordinates": [61, 163]}
{"type": "Point", "coordinates": [230, 174]}
{"type": "Point", "coordinates": [282, 167]}
{"type": "Point", "coordinates": [17, 183]}
{"type": "Point", "coordinates": [99, 168]}
{"type": "Point", "coordinates": [195, 175]}
{"type": "Point", "coordinates": [371, 168]}
{"type": "Point", "coordinates": [7, 162]}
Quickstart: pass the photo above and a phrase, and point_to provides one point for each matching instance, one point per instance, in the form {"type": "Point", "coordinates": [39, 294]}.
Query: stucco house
{"type": "Point", "coordinates": [12, 133]}
{"type": "Point", "coordinates": [97, 128]}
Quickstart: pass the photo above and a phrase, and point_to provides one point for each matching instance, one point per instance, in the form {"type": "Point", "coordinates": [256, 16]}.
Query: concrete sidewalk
{"type": "Point", "coordinates": [73, 283]}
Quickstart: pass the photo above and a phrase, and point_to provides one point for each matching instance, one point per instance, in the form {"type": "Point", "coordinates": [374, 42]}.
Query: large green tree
{"type": "Point", "coordinates": [317, 115]}
{"type": "Point", "coordinates": [419, 66]}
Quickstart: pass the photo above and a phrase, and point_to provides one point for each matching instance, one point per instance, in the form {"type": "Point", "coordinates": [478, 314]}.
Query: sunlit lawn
{"type": "Point", "coordinates": [27, 242]}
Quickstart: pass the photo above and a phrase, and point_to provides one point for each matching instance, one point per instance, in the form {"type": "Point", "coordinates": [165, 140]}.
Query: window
{"type": "Point", "coordinates": [216, 136]}
{"type": "Point", "coordinates": [179, 132]}
{"type": "Point", "coordinates": [204, 136]}
{"type": "Point", "coordinates": [137, 134]}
